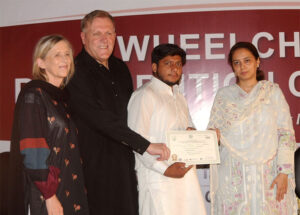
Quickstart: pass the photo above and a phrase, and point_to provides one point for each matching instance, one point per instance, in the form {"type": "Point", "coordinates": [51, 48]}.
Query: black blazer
{"type": "Point", "coordinates": [98, 103]}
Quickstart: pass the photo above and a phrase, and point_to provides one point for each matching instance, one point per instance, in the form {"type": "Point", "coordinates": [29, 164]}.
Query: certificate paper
{"type": "Point", "coordinates": [193, 147]}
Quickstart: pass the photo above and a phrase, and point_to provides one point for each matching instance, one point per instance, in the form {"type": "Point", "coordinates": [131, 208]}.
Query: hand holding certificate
{"type": "Point", "coordinates": [193, 147]}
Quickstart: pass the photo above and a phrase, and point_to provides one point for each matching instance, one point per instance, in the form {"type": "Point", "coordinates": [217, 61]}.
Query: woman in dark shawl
{"type": "Point", "coordinates": [45, 167]}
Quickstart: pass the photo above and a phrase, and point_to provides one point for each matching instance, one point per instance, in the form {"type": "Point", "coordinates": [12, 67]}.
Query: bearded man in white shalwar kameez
{"type": "Point", "coordinates": [154, 109]}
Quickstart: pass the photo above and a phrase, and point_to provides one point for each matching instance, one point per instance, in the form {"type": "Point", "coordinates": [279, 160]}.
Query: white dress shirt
{"type": "Point", "coordinates": [154, 109]}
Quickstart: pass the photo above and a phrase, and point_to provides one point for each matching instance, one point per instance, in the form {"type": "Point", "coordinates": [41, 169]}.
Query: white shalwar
{"type": "Point", "coordinates": [153, 110]}
{"type": "Point", "coordinates": [257, 143]}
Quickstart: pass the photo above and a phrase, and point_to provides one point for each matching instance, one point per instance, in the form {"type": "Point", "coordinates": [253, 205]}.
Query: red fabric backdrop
{"type": "Point", "coordinates": [17, 43]}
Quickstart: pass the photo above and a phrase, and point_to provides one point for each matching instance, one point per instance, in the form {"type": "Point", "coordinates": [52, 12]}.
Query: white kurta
{"type": "Point", "coordinates": [153, 110]}
{"type": "Point", "coordinates": [257, 143]}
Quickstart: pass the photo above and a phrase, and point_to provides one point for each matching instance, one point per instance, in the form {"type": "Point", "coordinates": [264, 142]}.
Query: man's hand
{"type": "Point", "coordinates": [177, 170]}
{"type": "Point", "coordinates": [159, 149]}
{"type": "Point", "coordinates": [281, 182]}
{"type": "Point", "coordinates": [53, 206]}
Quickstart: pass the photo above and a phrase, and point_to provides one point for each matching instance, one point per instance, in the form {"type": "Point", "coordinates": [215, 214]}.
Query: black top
{"type": "Point", "coordinates": [297, 172]}
{"type": "Point", "coordinates": [99, 99]}
{"type": "Point", "coordinates": [45, 140]}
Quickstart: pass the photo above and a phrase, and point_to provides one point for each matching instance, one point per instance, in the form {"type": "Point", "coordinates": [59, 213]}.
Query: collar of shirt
{"type": "Point", "coordinates": [91, 62]}
{"type": "Point", "coordinates": [174, 90]}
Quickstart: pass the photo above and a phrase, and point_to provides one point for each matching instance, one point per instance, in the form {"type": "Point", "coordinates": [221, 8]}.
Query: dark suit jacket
{"type": "Point", "coordinates": [98, 103]}
{"type": "Point", "coordinates": [297, 172]}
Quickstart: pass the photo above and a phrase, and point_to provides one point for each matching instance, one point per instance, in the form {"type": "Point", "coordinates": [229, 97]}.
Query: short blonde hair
{"type": "Point", "coordinates": [44, 45]}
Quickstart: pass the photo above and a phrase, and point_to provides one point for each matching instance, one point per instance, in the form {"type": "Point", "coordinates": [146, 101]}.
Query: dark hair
{"type": "Point", "coordinates": [167, 49]}
{"type": "Point", "coordinates": [88, 18]}
{"type": "Point", "coordinates": [250, 47]}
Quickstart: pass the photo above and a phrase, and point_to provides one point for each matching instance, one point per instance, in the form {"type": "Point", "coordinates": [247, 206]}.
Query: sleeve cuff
{"type": "Point", "coordinates": [285, 168]}
{"type": "Point", "coordinates": [141, 144]}
{"type": "Point", "coordinates": [160, 166]}
{"type": "Point", "coordinates": [48, 188]}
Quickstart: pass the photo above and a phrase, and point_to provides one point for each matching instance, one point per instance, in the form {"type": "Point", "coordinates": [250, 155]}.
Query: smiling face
{"type": "Point", "coordinates": [98, 38]}
{"type": "Point", "coordinates": [57, 63]}
{"type": "Point", "coordinates": [168, 70]}
{"type": "Point", "coordinates": [244, 65]}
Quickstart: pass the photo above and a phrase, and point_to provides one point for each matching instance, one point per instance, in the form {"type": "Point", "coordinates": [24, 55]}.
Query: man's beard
{"type": "Point", "coordinates": [171, 84]}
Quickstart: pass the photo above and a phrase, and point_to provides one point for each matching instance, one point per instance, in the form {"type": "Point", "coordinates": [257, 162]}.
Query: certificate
{"type": "Point", "coordinates": [193, 147]}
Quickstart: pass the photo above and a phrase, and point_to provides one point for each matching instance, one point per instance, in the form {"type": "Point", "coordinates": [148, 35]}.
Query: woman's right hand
{"type": "Point", "coordinates": [53, 206]}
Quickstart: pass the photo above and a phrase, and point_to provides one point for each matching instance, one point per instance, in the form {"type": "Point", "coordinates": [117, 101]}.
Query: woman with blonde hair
{"type": "Point", "coordinates": [44, 149]}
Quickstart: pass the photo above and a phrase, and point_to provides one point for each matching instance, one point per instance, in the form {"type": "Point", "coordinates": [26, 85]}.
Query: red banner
{"type": "Point", "coordinates": [206, 36]}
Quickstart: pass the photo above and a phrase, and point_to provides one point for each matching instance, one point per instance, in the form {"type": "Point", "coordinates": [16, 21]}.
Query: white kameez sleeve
{"type": "Point", "coordinates": [140, 109]}
{"type": "Point", "coordinates": [191, 124]}
{"type": "Point", "coordinates": [286, 134]}
{"type": "Point", "coordinates": [216, 119]}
